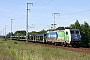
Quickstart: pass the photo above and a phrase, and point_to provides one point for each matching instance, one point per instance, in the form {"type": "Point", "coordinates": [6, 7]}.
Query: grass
{"type": "Point", "coordinates": [17, 50]}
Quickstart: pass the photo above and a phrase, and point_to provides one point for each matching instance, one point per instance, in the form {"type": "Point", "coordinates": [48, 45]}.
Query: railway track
{"type": "Point", "coordinates": [80, 49]}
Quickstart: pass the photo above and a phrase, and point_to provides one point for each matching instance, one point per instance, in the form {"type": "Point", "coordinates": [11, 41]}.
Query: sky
{"type": "Point", "coordinates": [41, 14]}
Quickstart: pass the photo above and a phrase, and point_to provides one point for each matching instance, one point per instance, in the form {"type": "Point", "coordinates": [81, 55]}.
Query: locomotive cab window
{"type": "Point", "coordinates": [77, 32]}
{"type": "Point", "coordinates": [72, 32]}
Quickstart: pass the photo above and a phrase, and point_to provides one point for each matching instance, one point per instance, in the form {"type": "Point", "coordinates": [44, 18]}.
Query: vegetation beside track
{"type": "Point", "coordinates": [17, 50]}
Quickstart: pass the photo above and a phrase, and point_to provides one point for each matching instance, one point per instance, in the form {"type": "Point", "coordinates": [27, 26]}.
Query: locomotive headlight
{"type": "Point", "coordinates": [79, 39]}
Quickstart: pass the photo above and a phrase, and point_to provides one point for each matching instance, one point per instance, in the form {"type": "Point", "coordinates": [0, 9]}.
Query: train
{"type": "Point", "coordinates": [66, 37]}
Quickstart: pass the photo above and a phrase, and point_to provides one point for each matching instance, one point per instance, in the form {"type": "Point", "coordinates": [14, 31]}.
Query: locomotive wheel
{"type": "Point", "coordinates": [64, 44]}
{"type": "Point", "coordinates": [56, 44]}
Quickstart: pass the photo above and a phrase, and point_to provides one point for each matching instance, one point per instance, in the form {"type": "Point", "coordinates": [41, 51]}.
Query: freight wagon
{"type": "Point", "coordinates": [64, 37]}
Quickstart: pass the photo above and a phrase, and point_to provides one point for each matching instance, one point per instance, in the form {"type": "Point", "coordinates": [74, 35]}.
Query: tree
{"type": "Point", "coordinates": [43, 31]}
{"type": "Point", "coordinates": [60, 28]}
{"type": "Point", "coordinates": [76, 25]}
{"type": "Point", "coordinates": [20, 33]}
{"type": "Point", "coordinates": [9, 34]}
{"type": "Point", "coordinates": [85, 32]}
{"type": "Point", "coordinates": [33, 32]}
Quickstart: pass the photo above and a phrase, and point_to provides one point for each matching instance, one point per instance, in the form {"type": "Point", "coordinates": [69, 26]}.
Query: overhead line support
{"type": "Point", "coordinates": [27, 21]}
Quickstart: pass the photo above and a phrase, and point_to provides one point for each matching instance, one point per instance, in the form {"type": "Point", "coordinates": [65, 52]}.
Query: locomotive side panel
{"type": "Point", "coordinates": [51, 37]}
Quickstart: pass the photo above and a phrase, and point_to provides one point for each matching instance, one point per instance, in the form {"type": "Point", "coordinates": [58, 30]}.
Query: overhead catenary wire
{"type": "Point", "coordinates": [80, 13]}
{"type": "Point", "coordinates": [48, 3]}
{"type": "Point", "coordinates": [70, 14]}
{"type": "Point", "coordinates": [38, 2]}
{"type": "Point", "coordinates": [77, 12]}
{"type": "Point", "coordinates": [44, 6]}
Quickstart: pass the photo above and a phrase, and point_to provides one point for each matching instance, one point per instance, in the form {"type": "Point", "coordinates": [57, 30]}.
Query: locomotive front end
{"type": "Point", "coordinates": [75, 37]}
